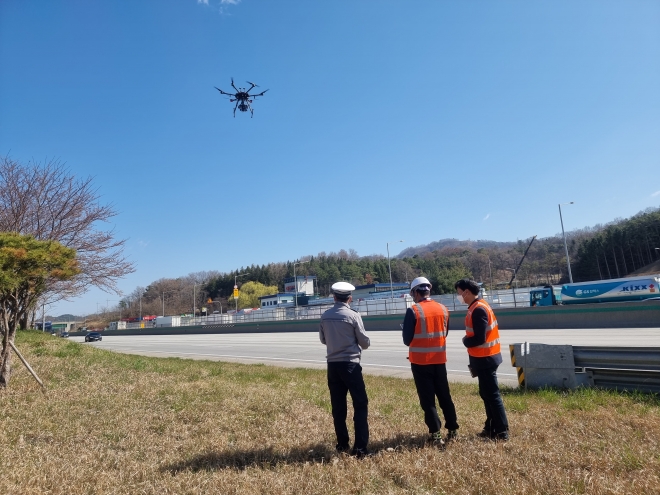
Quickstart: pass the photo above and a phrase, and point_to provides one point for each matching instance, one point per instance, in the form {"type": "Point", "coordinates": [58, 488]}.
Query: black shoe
{"type": "Point", "coordinates": [451, 435]}
{"type": "Point", "coordinates": [361, 453]}
{"type": "Point", "coordinates": [340, 449]}
{"type": "Point", "coordinates": [485, 434]}
{"type": "Point", "coordinates": [436, 440]}
{"type": "Point", "coordinates": [503, 436]}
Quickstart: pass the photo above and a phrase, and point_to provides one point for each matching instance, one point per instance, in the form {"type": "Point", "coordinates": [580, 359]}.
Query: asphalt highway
{"type": "Point", "coordinates": [386, 356]}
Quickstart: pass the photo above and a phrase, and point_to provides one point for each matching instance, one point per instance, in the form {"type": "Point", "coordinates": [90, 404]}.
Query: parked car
{"type": "Point", "coordinates": [64, 335]}
{"type": "Point", "coordinates": [93, 337]}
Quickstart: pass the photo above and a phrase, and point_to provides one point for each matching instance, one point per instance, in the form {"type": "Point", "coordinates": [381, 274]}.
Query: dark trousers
{"type": "Point", "coordinates": [489, 391]}
{"type": "Point", "coordinates": [344, 377]}
{"type": "Point", "coordinates": [431, 382]}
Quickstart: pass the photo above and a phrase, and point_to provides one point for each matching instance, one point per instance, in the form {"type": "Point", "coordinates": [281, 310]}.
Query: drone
{"type": "Point", "coordinates": [242, 97]}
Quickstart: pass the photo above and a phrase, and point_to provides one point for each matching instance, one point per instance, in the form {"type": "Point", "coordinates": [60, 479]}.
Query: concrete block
{"type": "Point", "coordinates": [542, 365]}
{"type": "Point", "coordinates": [543, 356]}
{"type": "Point", "coordinates": [549, 377]}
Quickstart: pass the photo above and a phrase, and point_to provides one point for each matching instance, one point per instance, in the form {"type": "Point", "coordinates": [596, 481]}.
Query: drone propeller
{"type": "Point", "coordinates": [223, 92]}
{"type": "Point", "coordinates": [260, 94]}
{"type": "Point", "coordinates": [253, 85]}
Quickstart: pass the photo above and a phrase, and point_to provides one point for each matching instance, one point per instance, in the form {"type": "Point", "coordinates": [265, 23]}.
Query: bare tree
{"type": "Point", "coordinates": [47, 202]}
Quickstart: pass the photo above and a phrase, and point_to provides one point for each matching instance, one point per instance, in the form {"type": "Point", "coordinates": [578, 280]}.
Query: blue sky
{"type": "Point", "coordinates": [387, 120]}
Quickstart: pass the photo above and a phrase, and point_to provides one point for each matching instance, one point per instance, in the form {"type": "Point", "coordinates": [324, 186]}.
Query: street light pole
{"type": "Point", "coordinates": [490, 269]}
{"type": "Point", "coordinates": [513, 287]}
{"type": "Point", "coordinates": [568, 262]}
{"type": "Point", "coordinates": [194, 302]}
{"type": "Point", "coordinates": [295, 284]}
{"type": "Point", "coordinates": [166, 292]}
{"type": "Point", "coordinates": [389, 266]}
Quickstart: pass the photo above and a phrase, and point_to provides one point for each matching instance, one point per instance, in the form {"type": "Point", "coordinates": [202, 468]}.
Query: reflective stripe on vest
{"type": "Point", "coordinates": [428, 343]}
{"type": "Point", "coordinates": [492, 345]}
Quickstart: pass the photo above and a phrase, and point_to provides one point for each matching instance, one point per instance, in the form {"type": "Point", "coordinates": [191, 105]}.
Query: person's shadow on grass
{"type": "Point", "coordinates": [268, 457]}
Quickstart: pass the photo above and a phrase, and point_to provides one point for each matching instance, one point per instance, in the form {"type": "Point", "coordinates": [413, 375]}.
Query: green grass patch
{"type": "Point", "coordinates": [117, 423]}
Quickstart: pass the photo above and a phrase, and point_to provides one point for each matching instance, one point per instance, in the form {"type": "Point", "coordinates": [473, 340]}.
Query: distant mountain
{"type": "Point", "coordinates": [66, 317]}
{"type": "Point", "coordinates": [453, 243]}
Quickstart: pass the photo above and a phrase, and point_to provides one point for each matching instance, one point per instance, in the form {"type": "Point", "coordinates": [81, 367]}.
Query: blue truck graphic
{"type": "Point", "coordinates": [615, 290]}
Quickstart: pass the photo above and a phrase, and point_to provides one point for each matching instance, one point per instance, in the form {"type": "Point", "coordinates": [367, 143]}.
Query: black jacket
{"type": "Point", "coordinates": [479, 324]}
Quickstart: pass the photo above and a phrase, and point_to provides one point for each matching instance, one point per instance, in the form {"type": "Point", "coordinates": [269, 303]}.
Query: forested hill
{"type": "Point", "coordinates": [600, 252]}
{"type": "Point", "coordinates": [453, 243]}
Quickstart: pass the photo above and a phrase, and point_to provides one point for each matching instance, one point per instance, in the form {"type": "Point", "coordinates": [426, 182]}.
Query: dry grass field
{"type": "Point", "coordinates": [120, 424]}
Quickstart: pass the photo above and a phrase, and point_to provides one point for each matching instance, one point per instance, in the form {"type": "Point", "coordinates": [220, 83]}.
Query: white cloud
{"type": "Point", "coordinates": [229, 2]}
{"type": "Point", "coordinates": [205, 2]}
{"type": "Point", "coordinates": [143, 244]}
{"type": "Point", "coordinates": [657, 193]}
{"type": "Point", "coordinates": [487, 217]}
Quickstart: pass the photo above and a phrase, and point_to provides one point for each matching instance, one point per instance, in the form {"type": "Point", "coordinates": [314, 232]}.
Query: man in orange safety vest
{"type": "Point", "coordinates": [482, 339]}
{"type": "Point", "coordinates": [425, 328]}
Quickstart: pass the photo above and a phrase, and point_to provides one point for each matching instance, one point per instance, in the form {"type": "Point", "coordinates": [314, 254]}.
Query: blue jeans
{"type": "Point", "coordinates": [489, 391]}
{"type": "Point", "coordinates": [345, 377]}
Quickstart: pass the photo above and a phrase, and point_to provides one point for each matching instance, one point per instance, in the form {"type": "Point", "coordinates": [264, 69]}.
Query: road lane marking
{"type": "Point", "coordinates": [298, 360]}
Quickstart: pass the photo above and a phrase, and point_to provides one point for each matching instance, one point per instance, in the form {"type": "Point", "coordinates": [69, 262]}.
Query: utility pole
{"type": "Point", "coordinates": [236, 287]}
{"type": "Point", "coordinates": [389, 265]}
{"type": "Point", "coordinates": [295, 284]}
{"type": "Point", "coordinates": [568, 261]}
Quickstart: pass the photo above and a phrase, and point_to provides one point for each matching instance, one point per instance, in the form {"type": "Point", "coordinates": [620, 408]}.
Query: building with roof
{"type": "Point", "coordinates": [276, 299]}
{"type": "Point", "coordinates": [377, 291]}
{"type": "Point", "coordinates": [302, 284]}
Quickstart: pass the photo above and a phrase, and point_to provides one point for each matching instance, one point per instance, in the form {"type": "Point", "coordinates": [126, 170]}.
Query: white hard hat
{"type": "Point", "coordinates": [420, 281]}
{"type": "Point", "coordinates": [342, 288]}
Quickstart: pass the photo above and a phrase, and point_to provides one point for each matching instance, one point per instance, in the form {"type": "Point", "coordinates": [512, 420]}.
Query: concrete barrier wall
{"type": "Point", "coordinates": [645, 314]}
{"type": "Point", "coordinates": [642, 314]}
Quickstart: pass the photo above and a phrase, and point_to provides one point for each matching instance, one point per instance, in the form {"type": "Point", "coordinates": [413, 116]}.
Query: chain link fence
{"type": "Point", "coordinates": [508, 298]}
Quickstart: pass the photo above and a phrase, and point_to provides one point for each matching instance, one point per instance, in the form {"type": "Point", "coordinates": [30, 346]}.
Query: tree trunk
{"type": "Point", "coordinates": [648, 248]}
{"type": "Point", "coordinates": [8, 333]}
{"type": "Point", "coordinates": [616, 265]}
{"type": "Point", "coordinates": [641, 257]}
{"type": "Point", "coordinates": [607, 265]}
{"type": "Point", "coordinates": [5, 358]}
{"type": "Point", "coordinates": [23, 321]}
{"type": "Point", "coordinates": [623, 257]}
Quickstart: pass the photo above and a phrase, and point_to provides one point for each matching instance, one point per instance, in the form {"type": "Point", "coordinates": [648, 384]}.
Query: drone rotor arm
{"type": "Point", "coordinates": [223, 92]}
{"type": "Point", "coordinates": [260, 94]}
{"type": "Point", "coordinates": [232, 84]}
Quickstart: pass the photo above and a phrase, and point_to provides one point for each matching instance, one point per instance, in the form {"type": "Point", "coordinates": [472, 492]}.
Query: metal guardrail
{"type": "Point", "coordinates": [620, 368]}
{"type": "Point", "coordinates": [640, 380]}
{"type": "Point", "coordinates": [565, 366]}
{"type": "Point", "coordinates": [619, 358]}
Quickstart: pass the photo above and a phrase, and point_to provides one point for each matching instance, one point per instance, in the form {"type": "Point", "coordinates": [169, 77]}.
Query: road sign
{"type": "Point", "coordinates": [235, 293]}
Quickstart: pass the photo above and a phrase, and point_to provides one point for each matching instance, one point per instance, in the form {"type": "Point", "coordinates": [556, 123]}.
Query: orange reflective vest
{"type": "Point", "coordinates": [492, 345]}
{"type": "Point", "coordinates": [428, 345]}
